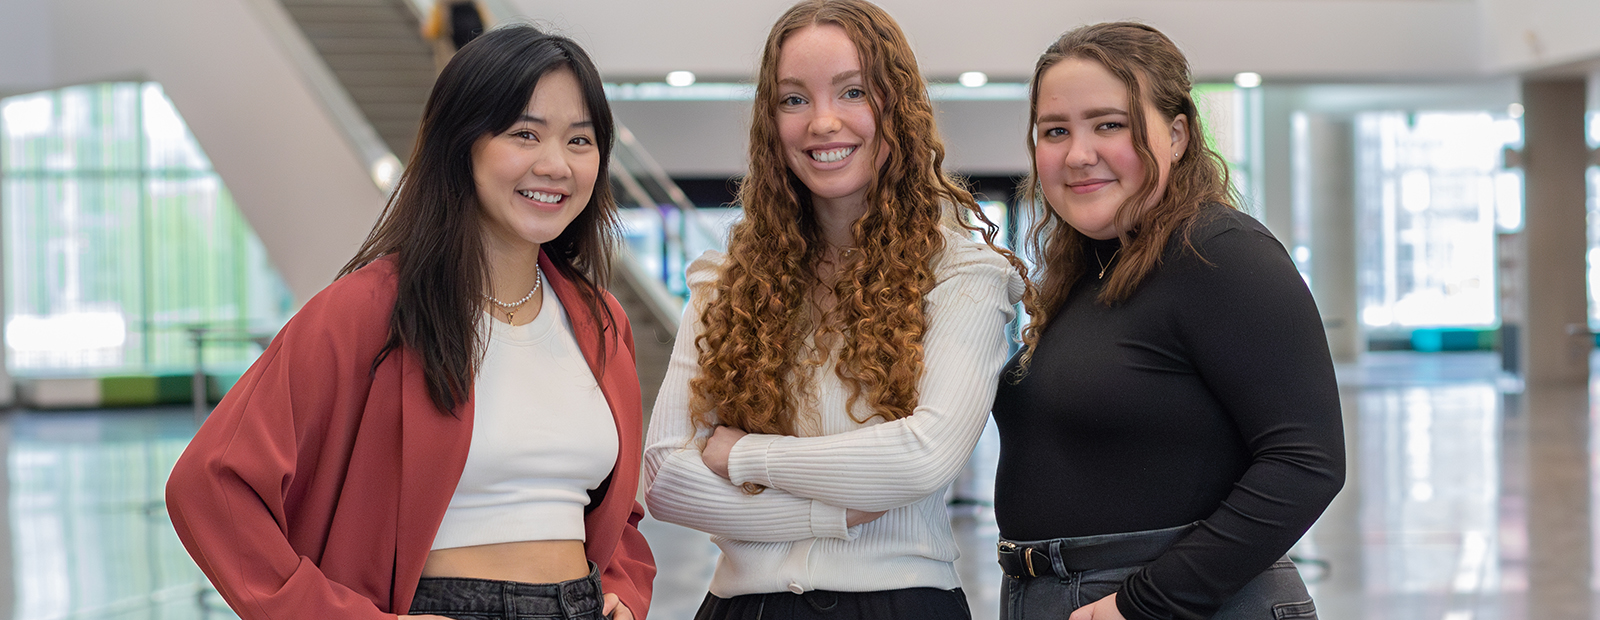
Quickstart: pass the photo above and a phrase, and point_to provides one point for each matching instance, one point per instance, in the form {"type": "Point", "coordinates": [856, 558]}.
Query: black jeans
{"type": "Point", "coordinates": [911, 603]}
{"type": "Point", "coordinates": [1277, 592]}
{"type": "Point", "coordinates": [487, 599]}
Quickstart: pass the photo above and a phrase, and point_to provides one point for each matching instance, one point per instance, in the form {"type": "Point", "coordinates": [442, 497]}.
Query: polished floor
{"type": "Point", "coordinates": [1469, 498]}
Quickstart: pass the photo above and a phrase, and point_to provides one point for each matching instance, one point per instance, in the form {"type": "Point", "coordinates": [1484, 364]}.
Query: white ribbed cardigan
{"type": "Point", "coordinates": [793, 537]}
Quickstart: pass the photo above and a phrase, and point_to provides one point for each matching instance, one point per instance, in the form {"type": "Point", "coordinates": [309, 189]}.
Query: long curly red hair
{"type": "Point", "coordinates": [753, 354]}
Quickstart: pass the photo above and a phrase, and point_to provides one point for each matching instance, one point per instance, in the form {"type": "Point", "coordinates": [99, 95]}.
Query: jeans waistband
{"type": "Point", "coordinates": [465, 595]}
{"type": "Point", "coordinates": [1036, 558]}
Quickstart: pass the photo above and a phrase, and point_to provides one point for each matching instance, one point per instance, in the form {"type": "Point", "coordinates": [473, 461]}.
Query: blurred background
{"type": "Point", "coordinates": [178, 176]}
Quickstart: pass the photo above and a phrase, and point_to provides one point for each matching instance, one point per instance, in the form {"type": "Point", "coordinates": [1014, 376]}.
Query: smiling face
{"type": "Point", "coordinates": [1084, 150]}
{"type": "Point", "coordinates": [825, 122]}
{"type": "Point", "coordinates": [537, 175]}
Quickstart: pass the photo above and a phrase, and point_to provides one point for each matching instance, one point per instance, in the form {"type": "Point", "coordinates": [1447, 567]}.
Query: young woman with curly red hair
{"type": "Point", "coordinates": [836, 366]}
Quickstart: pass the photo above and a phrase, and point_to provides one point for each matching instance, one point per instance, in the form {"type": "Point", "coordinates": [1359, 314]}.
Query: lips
{"type": "Point", "coordinates": [539, 196]}
{"type": "Point", "coordinates": [830, 155]}
{"type": "Point", "coordinates": [1089, 186]}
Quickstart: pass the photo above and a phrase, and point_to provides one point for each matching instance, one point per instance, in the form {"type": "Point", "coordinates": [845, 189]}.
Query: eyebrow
{"type": "Point", "coordinates": [1094, 113]}
{"type": "Point", "coordinates": [529, 118]}
{"type": "Point", "coordinates": [847, 75]}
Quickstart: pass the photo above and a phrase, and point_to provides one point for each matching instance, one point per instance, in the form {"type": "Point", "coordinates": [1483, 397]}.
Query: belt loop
{"type": "Point", "coordinates": [1057, 563]}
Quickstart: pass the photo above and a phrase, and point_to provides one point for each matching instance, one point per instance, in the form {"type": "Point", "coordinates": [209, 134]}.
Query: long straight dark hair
{"type": "Point", "coordinates": [432, 223]}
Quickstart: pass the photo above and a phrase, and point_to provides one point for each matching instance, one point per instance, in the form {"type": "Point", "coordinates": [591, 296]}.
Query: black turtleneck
{"type": "Point", "coordinates": [1208, 396]}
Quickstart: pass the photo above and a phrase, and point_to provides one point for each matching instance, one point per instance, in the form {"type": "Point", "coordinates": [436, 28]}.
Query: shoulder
{"type": "Point", "coordinates": [969, 261]}
{"type": "Point", "coordinates": [702, 275]}
{"type": "Point", "coordinates": [356, 304]}
{"type": "Point", "coordinates": [1229, 249]}
{"type": "Point", "coordinates": [1219, 224]}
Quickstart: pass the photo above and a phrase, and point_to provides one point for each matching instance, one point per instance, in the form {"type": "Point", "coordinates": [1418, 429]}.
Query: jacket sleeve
{"type": "Point", "coordinates": [681, 489]}
{"type": "Point", "coordinates": [632, 569]}
{"type": "Point", "coordinates": [885, 466]}
{"type": "Point", "coordinates": [227, 493]}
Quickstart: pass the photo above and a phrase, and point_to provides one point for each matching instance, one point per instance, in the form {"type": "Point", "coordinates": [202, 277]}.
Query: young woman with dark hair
{"type": "Point", "coordinates": [447, 429]}
{"type": "Point", "coordinates": [834, 368]}
{"type": "Point", "coordinates": [1172, 424]}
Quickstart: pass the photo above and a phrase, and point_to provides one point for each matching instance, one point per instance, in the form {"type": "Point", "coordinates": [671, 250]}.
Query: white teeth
{"type": "Point", "coordinates": [832, 155]}
{"type": "Point", "coordinates": [541, 196]}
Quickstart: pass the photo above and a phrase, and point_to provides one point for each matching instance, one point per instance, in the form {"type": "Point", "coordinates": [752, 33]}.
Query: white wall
{"type": "Point", "coordinates": [1301, 39]}
{"type": "Point", "coordinates": [294, 174]}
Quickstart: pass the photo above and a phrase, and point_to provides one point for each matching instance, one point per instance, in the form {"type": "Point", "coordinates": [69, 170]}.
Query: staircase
{"type": "Point", "coordinates": [376, 50]}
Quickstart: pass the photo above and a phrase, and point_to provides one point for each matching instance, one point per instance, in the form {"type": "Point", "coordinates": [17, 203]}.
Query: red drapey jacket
{"type": "Point", "coordinates": [315, 488]}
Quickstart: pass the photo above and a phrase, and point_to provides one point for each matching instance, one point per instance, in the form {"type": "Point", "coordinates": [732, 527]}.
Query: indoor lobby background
{"type": "Point", "coordinates": [178, 176]}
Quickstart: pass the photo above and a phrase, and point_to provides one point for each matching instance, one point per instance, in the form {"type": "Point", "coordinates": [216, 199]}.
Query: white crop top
{"type": "Point", "coordinates": [542, 438]}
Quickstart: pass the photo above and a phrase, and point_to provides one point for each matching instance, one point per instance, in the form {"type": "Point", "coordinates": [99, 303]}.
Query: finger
{"type": "Point", "coordinates": [611, 602]}
{"type": "Point", "coordinates": [1083, 613]}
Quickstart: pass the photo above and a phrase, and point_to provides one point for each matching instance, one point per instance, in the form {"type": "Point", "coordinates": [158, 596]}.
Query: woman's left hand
{"type": "Point", "coordinates": [719, 447]}
{"type": "Point", "coordinates": [1103, 609]}
{"type": "Point", "coordinates": [614, 609]}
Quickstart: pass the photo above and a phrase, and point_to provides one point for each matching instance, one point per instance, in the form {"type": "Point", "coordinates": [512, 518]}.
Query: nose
{"type": "Point", "coordinates": [1081, 153]}
{"type": "Point", "coordinates": [825, 120]}
{"type": "Point", "coordinates": [551, 162]}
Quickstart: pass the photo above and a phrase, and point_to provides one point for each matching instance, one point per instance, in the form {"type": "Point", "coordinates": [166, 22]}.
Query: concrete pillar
{"type": "Point", "coordinates": [1275, 199]}
{"type": "Point", "coordinates": [1557, 342]}
{"type": "Point", "coordinates": [1328, 157]}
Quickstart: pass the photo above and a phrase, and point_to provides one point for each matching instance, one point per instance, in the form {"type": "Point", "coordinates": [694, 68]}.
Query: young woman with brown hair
{"type": "Point", "coordinates": [448, 429]}
{"type": "Point", "coordinates": [1172, 425]}
{"type": "Point", "coordinates": [834, 368]}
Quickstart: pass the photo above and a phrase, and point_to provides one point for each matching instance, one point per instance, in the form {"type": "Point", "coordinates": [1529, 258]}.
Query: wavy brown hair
{"type": "Point", "coordinates": [1151, 67]}
{"type": "Point", "coordinates": [752, 350]}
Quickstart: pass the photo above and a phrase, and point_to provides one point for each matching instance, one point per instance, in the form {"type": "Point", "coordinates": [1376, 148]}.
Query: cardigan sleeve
{"type": "Point", "coordinates": [681, 489]}
{"type": "Point", "coordinates": [228, 493]}
{"type": "Point", "coordinates": [885, 466]}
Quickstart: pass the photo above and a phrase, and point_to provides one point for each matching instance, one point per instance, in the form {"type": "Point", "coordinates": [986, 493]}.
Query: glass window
{"type": "Point", "coordinates": [1430, 188]}
{"type": "Point", "coordinates": [120, 237]}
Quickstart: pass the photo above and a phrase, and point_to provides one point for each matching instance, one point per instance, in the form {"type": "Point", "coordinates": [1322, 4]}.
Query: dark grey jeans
{"type": "Point", "coordinates": [487, 599]}
{"type": "Point", "coordinates": [1276, 594]}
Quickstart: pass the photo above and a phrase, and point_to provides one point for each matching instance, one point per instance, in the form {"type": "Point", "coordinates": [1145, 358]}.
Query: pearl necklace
{"type": "Point", "coordinates": [511, 308]}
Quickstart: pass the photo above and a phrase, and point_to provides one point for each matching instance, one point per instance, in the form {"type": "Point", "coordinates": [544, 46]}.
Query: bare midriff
{"type": "Point", "coordinates": [529, 561]}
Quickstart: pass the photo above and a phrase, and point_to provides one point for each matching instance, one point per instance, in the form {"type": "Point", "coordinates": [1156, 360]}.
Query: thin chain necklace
{"type": "Point", "coordinates": [511, 308]}
{"type": "Point", "coordinates": [1106, 265]}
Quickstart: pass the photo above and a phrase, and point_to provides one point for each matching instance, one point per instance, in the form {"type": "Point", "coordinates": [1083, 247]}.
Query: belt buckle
{"type": "Point", "coordinates": [1009, 547]}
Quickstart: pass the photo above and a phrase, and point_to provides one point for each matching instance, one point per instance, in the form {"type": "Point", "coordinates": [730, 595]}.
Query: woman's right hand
{"type": "Point", "coordinates": [853, 517]}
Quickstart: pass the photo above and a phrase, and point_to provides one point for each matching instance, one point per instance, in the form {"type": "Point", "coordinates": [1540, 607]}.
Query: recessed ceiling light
{"type": "Point", "coordinates": [680, 78]}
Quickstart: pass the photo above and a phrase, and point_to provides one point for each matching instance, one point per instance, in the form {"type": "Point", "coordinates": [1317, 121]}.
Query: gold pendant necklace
{"type": "Point", "coordinates": [1106, 265]}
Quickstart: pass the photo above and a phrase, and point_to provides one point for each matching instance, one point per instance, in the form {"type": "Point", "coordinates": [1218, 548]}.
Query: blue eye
{"type": "Point", "coordinates": [792, 100]}
{"type": "Point", "coordinates": [854, 93]}
{"type": "Point", "coordinates": [1055, 132]}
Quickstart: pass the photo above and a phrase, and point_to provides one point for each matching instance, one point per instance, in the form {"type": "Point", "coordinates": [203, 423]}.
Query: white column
{"type": "Point", "coordinates": [1329, 159]}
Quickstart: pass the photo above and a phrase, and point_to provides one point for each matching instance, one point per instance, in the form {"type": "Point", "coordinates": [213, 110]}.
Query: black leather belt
{"type": "Point", "coordinates": [1025, 560]}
